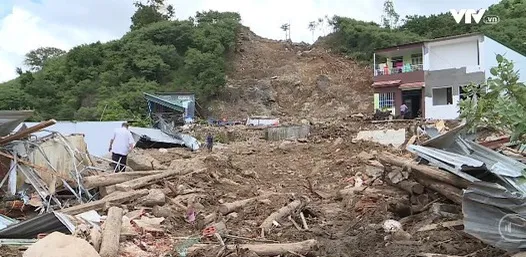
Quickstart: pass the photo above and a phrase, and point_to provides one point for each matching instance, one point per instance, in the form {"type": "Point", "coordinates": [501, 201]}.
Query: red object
{"type": "Point", "coordinates": [40, 236]}
{"type": "Point", "coordinates": [209, 231]}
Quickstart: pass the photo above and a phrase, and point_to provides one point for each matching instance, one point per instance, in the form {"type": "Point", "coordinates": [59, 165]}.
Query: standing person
{"type": "Point", "coordinates": [120, 145]}
{"type": "Point", "coordinates": [209, 142]}
{"type": "Point", "coordinates": [403, 110]}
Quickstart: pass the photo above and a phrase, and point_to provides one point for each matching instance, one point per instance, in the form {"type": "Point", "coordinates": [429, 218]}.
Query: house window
{"type": "Point", "coordinates": [386, 100]}
{"type": "Point", "coordinates": [416, 59]}
{"type": "Point", "coordinates": [443, 96]}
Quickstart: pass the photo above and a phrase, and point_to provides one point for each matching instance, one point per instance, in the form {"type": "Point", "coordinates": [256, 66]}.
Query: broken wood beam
{"type": "Point", "coordinates": [450, 192]}
{"type": "Point", "coordinates": [115, 178]}
{"type": "Point", "coordinates": [111, 233]}
{"type": "Point", "coordinates": [117, 198]}
{"type": "Point", "coordinates": [303, 247]}
{"type": "Point", "coordinates": [281, 213]}
{"type": "Point", "coordinates": [411, 187]}
{"type": "Point", "coordinates": [144, 181]}
{"type": "Point", "coordinates": [432, 172]}
{"type": "Point", "coordinates": [227, 208]}
{"type": "Point", "coordinates": [445, 224]}
{"type": "Point", "coordinates": [28, 131]}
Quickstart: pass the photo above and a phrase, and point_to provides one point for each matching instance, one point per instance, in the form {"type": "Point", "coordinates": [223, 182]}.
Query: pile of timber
{"type": "Point", "coordinates": [422, 176]}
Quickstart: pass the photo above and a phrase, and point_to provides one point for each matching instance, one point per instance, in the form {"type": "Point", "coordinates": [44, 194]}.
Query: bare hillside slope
{"type": "Point", "coordinates": [282, 79]}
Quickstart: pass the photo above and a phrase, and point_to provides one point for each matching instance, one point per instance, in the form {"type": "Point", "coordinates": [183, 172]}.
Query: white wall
{"type": "Point", "coordinates": [453, 53]}
{"type": "Point", "coordinates": [442, 112]}
{"type": "Point", "coordinates": [492, 48]}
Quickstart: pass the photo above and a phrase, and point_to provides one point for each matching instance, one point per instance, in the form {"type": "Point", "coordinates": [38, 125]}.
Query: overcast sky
{"type": "Point", "coordinates": [29, 24]}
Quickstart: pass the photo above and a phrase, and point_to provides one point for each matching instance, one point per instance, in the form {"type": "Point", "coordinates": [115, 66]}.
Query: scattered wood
{"type": "Point", "coordinates": [111, 233]}
{"type": "Point", "coordinates": [446, 224]}
{"type": "Point", "coordinates": [294, 223]}
{"type": "Point", "coordinates": [144, 181]}
{"type": "Point", "coordinates": [450, 192]}
{"type": "Point", "coordinates": [303, 247]}
{"type": "Point", "coordinates": [429, 171]}
{"type": "Point", "coordinates": [115, 178]}
{"type": "Point", "coordinates": [435, 255]}
{"type": "Point", "coordinates": [28, 131]}
{"type": "Point", "coordinates": [113, 199]}
{"type": "Point", "coordinates": [302, 216]}
{"type": "Point", "coordinates": [281, 213]}
{"type": "Point", "coordinates": [227, 208]}
{"type": "Point", "coordinates": [411, 187]}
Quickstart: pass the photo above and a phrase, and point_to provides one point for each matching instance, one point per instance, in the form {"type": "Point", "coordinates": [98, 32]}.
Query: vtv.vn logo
{"type": "Point", "coordinates": [477, 16]}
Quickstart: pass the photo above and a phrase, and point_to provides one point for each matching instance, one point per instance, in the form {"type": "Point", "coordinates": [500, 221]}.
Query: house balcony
{"type": "Point", "coordinates": [404, 63]}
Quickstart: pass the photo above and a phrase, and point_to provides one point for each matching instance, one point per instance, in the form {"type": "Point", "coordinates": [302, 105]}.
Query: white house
{"type": "Point", "coordinates": [447, 64]}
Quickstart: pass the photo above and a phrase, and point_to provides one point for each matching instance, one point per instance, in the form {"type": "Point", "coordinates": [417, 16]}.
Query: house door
{"type": "Point", "coordinates": [413, 100]}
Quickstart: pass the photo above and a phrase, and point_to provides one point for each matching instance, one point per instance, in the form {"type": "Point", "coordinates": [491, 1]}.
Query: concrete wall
{"type": "Point", "coordinates": [454, 53]}
{"type": "Point", "coordinates": [491, 48]}
{"type": "Point", "coordinates": [283, 133]}
{"type": "Point", "coordinates": [447, 78]}
{"type": "Point", "coordinates": [397, 97]}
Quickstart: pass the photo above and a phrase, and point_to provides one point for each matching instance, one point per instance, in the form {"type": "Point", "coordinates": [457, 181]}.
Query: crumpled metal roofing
{"type": "Point", "coordinates": [495, 215]}
{"type": "Point", "coordinates": [41, 224]}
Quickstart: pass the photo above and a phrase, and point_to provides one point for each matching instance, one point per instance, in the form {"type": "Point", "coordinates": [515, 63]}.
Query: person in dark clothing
{"type": "Point", "coordinates": [209, 142]}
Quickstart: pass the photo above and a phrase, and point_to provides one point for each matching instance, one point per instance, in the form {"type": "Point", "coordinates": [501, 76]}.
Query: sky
{"type": "Point", "coordinates": [29, 24]}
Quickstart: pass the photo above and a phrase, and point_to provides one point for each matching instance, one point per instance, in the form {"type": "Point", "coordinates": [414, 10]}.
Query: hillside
{"type": "Point", "coordinates": [233, 72]}
{"type": "Point", "coordinates": [291, 80]}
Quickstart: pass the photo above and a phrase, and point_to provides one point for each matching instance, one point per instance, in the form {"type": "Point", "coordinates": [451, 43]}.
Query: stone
{"type": "Point", "coordinates": [162, 211]}
{"type": "Point", "coordinates": [140, 161]}
{"type": "Point", "coordinates": [57, 244]}
{"type": "Point", "coordinates": [154, 197]}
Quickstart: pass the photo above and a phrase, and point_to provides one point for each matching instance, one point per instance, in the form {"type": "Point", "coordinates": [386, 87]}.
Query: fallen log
{"type": "Point", "coordinates": [117, 198]}
{"type": "Point", "coordinates": [434, 173]}
{"type": "Point", "coordinates": [144, 181]}
{"type": "Point", "coordinates": [281, 213]}
{"type": "Point", "coordinates": [303, 247]}
{"type": "Point", "coordinates": [411, 187]}
{"type": "Point", "coordinates": [450, 192]}
{"type": "Point", "coordinates": [111, 233]}
{"type": "Point", "coordinates": [227, 208]}
{"type": "Point", "coordinates": [116, 178]}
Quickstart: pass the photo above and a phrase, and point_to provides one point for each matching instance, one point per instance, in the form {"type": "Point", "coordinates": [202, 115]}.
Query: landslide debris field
{"type": "Point", "coordinates": [329, 185]}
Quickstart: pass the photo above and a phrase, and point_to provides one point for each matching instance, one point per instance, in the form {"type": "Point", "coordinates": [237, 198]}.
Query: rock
{"type": "Point", "coordinates": [232, 215]}
{"type": "Point", "coordinates": [337, 142]}
{"type": "Point", "coordinates": [365, 156]}
{"type": "Point", "coordinates": [401, 235]}
{"type": "Point", "coordinates": [163, 150]}
{"type": "Point", "coordinates": [154, 197]}
{"type": "Point", "coordinates": [391, 226]}
{"type": "Point", "coordinates": [140, 161]}
{"type": "Point", "coordinates": [323, 82]}
{"type": "Point", "coordinates": [57, 244]}
{"type": "Point", "coordinates": [162, 211]}
{"type": "Point", "coordinates": [149, 224]}
{"type": "Point", "coordinates": [373, 171]}
{"type": "Point", "coordinates": [286, 145]}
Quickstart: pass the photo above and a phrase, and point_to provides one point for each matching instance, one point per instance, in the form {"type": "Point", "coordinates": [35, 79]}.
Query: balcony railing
{"type": "Point", "coordinates": [402, 69]}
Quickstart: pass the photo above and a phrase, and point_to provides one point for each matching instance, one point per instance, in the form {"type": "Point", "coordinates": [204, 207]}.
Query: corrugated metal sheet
{"type": "Point", "coordinates": [6, 221]}
{"type": "Point", "coordinates": [154, 135]}
{"type": "Point", "coordinates": [45, 223]}
{"type": "Point", "coordinates": [55, 152]}
{"type": "Point", "coordinates": [97, 134]}
{"type": "Point", "coordinates": [9, 120]}
{"type": "Point", "coordinates": [495, 215]}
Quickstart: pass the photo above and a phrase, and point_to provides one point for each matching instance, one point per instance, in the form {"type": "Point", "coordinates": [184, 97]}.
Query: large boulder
{"type": "Point", "coordinates": [57, 244]}
{"type": "Point", "coordinates": [141, 161]}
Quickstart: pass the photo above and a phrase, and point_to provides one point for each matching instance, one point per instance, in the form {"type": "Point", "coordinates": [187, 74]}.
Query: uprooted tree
{"type": "Point", "coordinates": [499, 104]}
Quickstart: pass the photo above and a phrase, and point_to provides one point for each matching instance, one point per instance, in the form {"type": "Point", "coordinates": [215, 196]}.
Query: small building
{"type": "Point", "coordinates": [429, 76]}
{"type": "Point", "coordinates": [177, 108]}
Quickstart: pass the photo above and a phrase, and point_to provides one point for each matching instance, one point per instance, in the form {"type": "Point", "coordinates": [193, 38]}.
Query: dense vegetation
{"type": "Point", "coordinates": [359, 39]}
{"type": "Point", "coordinates": [106, 81]}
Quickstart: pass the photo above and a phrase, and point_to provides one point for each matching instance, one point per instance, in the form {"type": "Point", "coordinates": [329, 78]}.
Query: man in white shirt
{"type": "Point", "coordinates": [120, 145]}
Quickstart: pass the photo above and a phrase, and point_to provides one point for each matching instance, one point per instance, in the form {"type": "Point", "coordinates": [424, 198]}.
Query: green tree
{"type": "Point", "coordinates": [286, 28]}
{"type": "Point", "coordinates": [390, 18]}
{"type": "Point", "coordinates": [151, 12]}
{"type": "Point", "coordinates": [36, 59]}
{"type": "Point", "coordinates": [500, 104]}
{"type": "Point", "coordinates": [312, 28]}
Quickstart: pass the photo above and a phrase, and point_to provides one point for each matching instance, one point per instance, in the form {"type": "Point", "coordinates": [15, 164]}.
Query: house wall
{"type": "Point", "coordinates": [454, 53]}
{"type": "Point", "coordinates": [492, 48]}
{"type": "Point", "coordinates": [397, 97]}
{"type": "Point", "coordinates": [445, 78]}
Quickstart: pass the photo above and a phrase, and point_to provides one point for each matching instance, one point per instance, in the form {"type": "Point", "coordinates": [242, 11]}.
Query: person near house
{"type": "Point", "coordinates": [403, 110]}
{"type": "Point", "coordinates": [120, 145]}
{"type": "Point", "coordinates": [209, 142]}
